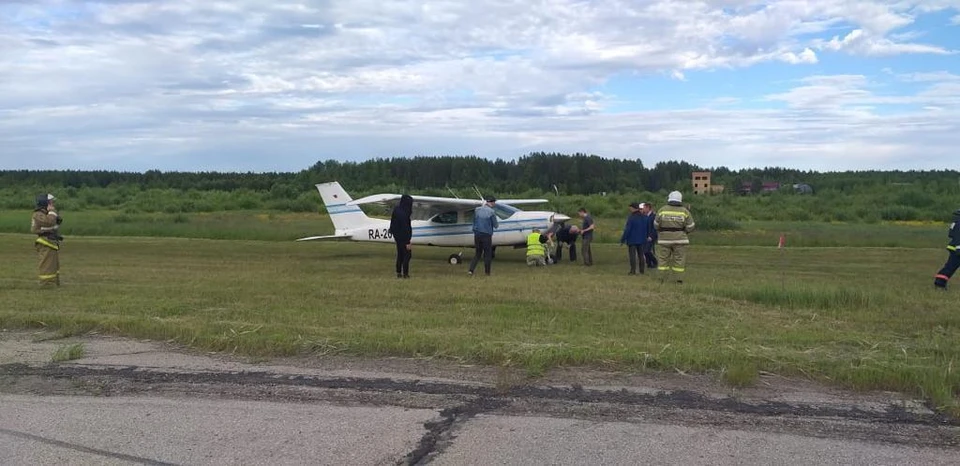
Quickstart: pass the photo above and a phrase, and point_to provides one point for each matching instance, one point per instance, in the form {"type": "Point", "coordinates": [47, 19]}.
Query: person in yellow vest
{"type": "Point", "coordinates": [46, 225]}
{"type": "Point", "coordinates": [673, 222]}
{"type": "Point", "coordinates": [536, 252]}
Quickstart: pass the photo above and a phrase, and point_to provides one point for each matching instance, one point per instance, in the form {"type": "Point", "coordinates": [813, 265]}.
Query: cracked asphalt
{"type": "Point", "coordinates": [131, 402]}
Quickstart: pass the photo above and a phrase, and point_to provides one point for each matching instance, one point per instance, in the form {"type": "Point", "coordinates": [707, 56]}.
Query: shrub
{"type": "Point", "coordinates": [898, 213]}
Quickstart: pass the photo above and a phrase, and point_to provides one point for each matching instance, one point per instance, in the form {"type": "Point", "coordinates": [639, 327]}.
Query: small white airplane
{"type": "Point", "coordinates": [436, 221]}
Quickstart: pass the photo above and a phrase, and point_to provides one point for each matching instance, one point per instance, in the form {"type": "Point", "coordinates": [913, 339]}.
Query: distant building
{"type": "Point", "coordinates": [716, 189]}
{"type": "Point", "coordinates": [701, 182]}
{"type": "Point", "coordinates": [803, 188]}
{"type": "Point", "coordinates": [765, 187]}
{"type": "Point", "coordinates": [769, 187]}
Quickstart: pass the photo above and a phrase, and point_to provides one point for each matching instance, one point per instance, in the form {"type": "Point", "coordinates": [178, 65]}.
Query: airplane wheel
{"type": "Point", "coordinates": [455, 259]}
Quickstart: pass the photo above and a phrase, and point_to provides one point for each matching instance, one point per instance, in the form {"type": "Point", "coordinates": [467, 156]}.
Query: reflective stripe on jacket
{"type": "Point", "coordinates": [50, 244]}
{"type": "Point", "coordinates": [954, 233]}
{"type": "Point", "coordinates": [673, 222]}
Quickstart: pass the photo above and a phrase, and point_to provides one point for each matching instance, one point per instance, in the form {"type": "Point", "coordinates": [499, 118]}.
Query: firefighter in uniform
{"type": "Point", "coordinates": [536, 251]}
{"type": "Point", "coordinates": [953, 261]}
{"type": "Point", "coordinates": [673, 222]}
{"type": "Point", "coordinates": [46, 225]}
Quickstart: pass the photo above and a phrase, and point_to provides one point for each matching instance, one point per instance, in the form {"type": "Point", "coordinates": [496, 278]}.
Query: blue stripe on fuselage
{"type": "Point", "coordinates": [461, 233]}
{"type": "Point", "coordinates": [468, 229]}
{"type": "Point", "coordinates": [536, 221]}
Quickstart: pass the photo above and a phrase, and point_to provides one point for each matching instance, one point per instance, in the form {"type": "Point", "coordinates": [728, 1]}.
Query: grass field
{"type": "Point", "coordinates": [865, 318]}
{"type": "Point", "coordinates": [280, 226]}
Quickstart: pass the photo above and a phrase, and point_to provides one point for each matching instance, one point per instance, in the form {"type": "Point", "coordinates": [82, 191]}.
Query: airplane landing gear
{"type": "Point", "coordinates": [456, 259]}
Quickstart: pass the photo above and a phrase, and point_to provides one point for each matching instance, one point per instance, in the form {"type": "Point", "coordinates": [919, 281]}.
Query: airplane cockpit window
{"type": "Point", "coordinates": [446, 217]}
{"type": "Point", "coordinates": [504, 211]}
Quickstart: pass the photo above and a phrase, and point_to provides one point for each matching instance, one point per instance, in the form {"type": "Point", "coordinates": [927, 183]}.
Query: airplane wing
{"type": "Point", "coordinates": [521, 201]}
{"type": "Point", "coordinates": [423, 200]}
{"type": "Point", "coordinates": [439, 201]}
{"type": "Point", "coordinates": [311, 238]}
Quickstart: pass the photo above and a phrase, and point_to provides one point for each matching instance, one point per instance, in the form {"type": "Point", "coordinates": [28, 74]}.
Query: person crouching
{"type": "Point", "coordinates": [536, 251]}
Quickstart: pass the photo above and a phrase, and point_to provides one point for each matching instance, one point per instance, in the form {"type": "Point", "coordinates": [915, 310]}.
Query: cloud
{"type": "Point", "coordinates": [246, 84]}
{"type": "Point", "coordinates": [862, 43]}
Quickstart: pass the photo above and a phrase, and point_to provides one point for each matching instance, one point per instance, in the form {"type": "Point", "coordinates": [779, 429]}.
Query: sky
{"type": "Point", "coordinates": [276, 85]}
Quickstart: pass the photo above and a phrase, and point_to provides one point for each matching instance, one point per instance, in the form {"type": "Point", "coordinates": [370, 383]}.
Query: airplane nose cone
{"type": "Point", "coordinates": [560, 218]}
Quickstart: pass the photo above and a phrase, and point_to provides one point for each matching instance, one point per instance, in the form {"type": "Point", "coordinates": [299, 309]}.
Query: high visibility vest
{"type": "Point", "coordinates": [534, 246]}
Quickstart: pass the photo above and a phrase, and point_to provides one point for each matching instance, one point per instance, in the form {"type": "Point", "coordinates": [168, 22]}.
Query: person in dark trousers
{"type": "Point", "coordinates": [484, 223]}
{"type": "Point", "coordinates": [635, 236]}
{"type": "Point", "coordinates": [586, 231]}
{"type": "Point", "coordinates": [649, 253]}
{"type": "Point", "coordinates": [403, 234]}
{"type": "Point", "coordinates": [953, 260]}
{"type": "Point", "coordinates": [561, 233]}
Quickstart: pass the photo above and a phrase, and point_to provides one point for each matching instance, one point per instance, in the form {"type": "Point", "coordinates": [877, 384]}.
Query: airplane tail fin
{"type": "Point", "coordinates": [344, 217]}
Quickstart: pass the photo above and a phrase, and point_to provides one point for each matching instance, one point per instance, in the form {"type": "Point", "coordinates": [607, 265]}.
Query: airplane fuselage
{"type": "Point", "coordinates": [512, 231]}
{"type": "Point", "coordinates": [436, 221]}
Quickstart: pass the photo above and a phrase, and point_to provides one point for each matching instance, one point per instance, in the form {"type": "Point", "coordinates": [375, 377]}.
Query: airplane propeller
{"type": "Point", "coordinates": [557, 217]}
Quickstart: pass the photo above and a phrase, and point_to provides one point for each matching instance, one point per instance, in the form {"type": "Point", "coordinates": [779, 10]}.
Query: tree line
{"type": "Point", "coordinates": [603, 185]}
{"type": "Point", "coordinates": [570, 174]}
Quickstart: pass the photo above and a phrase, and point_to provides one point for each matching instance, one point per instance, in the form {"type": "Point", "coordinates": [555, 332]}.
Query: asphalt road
{"type": "Point", "coordinates": [149, 430]}
{"type": "Point", "coordinates": [538, 440]}
{"type": "Point", "coordinates": [139, 403]}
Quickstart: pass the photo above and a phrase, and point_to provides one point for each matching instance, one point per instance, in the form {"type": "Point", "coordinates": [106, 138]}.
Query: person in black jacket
{"type": "Point", "coordinates": [649, 251]}
{"type": "Point", "coordinates": [402, 234]}
{"type": "Point", "coordinates": [953, 259]}
{"type": "Point", "coordinates": [635, 236]}
{"type": "Point", "coordinates": [561, 233]}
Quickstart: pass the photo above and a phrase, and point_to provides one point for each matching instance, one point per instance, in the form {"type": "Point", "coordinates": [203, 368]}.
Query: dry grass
{"type": "Point", "coordinates": [68, 352]}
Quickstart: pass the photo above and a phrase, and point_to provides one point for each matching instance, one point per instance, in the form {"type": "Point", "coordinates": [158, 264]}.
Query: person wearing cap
{"type": "Point", "coordinates": [484, 223]}
{"type": "Point", "coordinates": [953, 260]}
{"type": "Point", "coordinates": [650, 246]}
{"type": "Point", "coordinates": [673, 222]}
{"type": "Point", "coordinates": [45, 223]}
{"type": "Point", "coordinates": [635, 235]}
